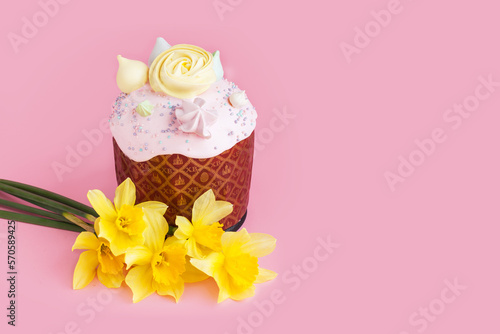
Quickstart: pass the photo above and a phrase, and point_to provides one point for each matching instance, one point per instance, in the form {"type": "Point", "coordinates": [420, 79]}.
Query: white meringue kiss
{"type": "Point", "coordinates": [160, 46]}
{"type": "Point", "coordinates": [132, 74]}
{"type": "Point", "coordinates": [145, 108]}
{"type": "Point", "coordinates": [217, 66]}
{"type": "Point", "coordinates": [195, 119]}
{"type": "Point", "coordinates": [238, 99]}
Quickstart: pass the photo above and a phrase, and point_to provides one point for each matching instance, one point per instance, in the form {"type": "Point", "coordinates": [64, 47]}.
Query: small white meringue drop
{"type": "Point", "coordinates": [132, 74]}
{"type": "Point", "coordinates": [217, 66]}
{"type": "Point", "coordinates": [238, 99]}
{"type": "Point", "coordinates": [160, 46]}
{"type": "Point", "coordinates": [145, 108]}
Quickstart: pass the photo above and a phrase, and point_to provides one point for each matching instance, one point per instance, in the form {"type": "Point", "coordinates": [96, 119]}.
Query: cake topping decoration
{"type": "Point", "coordinates": [183, 71]}
{"type": "Point", "coordinates": [238, 99]}
{"type": "Point", "coordinates": [132, 74]}
{"type": "Point", "coordinates": [160, 46]}
{"type": "Point", "coordinates": [131, 131]}
{"type": "Point", "coordinates": [195, 119]}
{"type": "Point", "coordinates": [145, 108]}
{"type": "Point", "coordinates": [219, 72]}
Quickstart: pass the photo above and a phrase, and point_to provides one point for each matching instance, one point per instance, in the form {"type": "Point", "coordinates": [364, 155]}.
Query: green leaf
{"type": "Point", "coordinates": [171, 230]}
{"type": "Point", "coordinates": [39, 221]}
{"type": "Point", "coordinates": [40, 201]}
{"type": "Point", "coordinates": [30, 209]}
{"type": "Point", "coordinates": [51, 195]}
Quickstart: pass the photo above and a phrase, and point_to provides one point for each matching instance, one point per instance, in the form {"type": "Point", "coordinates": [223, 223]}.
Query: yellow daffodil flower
{"type": "Point", "coordinates": [192, 274]}
{"type": "Point", "coordinates": [157, 266]}
{"type": "Point", "coordinates": [98, 258]}
{"type": "Point", "coordinates": [236, 268]}
{"type": "Point", "coordinates": [122, 224]}
{"type": "Point", "coordinates": [203, 235]}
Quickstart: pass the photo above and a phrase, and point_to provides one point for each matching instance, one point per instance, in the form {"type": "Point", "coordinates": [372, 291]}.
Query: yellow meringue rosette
{"type": "Point", "coordinates": [183, 71]}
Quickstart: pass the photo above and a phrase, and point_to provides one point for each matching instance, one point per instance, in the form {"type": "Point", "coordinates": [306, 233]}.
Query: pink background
{"type": "Point", "coordinates": [319, 174]}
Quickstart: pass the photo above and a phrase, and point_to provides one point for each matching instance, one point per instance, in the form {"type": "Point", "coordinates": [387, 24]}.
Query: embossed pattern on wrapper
{"type": "Point", "coordinates": [178, 180]}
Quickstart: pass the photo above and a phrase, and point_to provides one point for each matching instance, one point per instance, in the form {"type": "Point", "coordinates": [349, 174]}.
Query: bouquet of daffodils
{"type": "Point", "coordinates": [132, 242]}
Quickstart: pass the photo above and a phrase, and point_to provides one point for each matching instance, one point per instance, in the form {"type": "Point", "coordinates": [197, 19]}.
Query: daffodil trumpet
{"type": "Point", "coordinates": [203, 234]}
{"type": "Point", "coordinates": [235, 267]}
{"type": "Point", "coordinates": [97, 259]}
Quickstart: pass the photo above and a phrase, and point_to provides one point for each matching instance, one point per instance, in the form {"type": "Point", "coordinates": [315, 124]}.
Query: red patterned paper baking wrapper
{"type": "Point", "coordinates": [178, 181]}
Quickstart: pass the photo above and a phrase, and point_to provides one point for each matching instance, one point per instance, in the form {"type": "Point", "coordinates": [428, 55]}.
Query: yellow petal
{"type": "Point", "coordinates": [234, 240]}
{"type": "Point", "coordinates": [107, 229]}
{"type": "Point", "coordinates": [110, 280]}
{"type": "Point", "coordinates": [193, 249]}
{"type": "Point", "coordinates": [159, 207]}
{"type": "Point", "coordinates": [202, 206]}
{"type": "Point", "coordinates": [240, 295]}
{"type": "Point", "coordinates": [97, 226]}
{"type": "Point", "coordinates": [265, 275]}
{"type": "Point", "coordinates": [260, 244]}
{"type": "Point", "coordinates": [140, 281]}
{"type": "Point", "coordinates": [156, 230]}
{"type": "Point", "coordinates": [192, 274]}
{"type": "Point", "coordinates": [222, 280]}
{"type": "Point", "coordinates": [174, 289]}
{"type": "Point", "coordinates": [139, 255]}
{"type": "Point", "coordinates": [101, 204]}
{"type": "Point", "coordinates": [185, 228]}
{"type": "Point", "coordinates": [85, 269]}
{"type": "Point", "coordinates": [171, 240]}
{"type": "Point", "coordinates": [125, 194]}
{"type": "Point", "coordinates": [123, 241]}
{"type": "Point", "coordinates": [210, 264]}
{"type": "Point", "coordinates": [218, 210]}
{"type": "Point", "coordinates": [86, 240]}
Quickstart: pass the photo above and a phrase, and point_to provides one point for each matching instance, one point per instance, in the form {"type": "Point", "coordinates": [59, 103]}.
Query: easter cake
{"type": "Point", "coordinates": [180, 128]}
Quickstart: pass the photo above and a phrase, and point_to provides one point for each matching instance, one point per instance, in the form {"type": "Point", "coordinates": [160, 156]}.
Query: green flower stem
{"type": "Point", "coordinates": [41, 201]}
{"type": "Point", "coordinates": [62, 213]}
{"type": "Point", "coordinates": [30, 209]}
{"type": "Point", "coordinates": [171, 230]}
{"type": "Point", "coordinates": [59, 211]}
{"type": "Point", "coordinates": [40, 221]}
{"type": "Point", "coordinates": [53, 196]}
{"type": "Point", "coordinates": [77, 221]}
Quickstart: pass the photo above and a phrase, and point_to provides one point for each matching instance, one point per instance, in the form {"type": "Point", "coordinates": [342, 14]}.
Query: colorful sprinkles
{"type": "Point", "coordinates": [160, 132]}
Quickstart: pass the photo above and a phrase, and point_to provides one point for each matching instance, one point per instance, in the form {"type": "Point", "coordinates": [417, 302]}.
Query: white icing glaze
{"type": "Point", "coordinates": [142, 138]}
